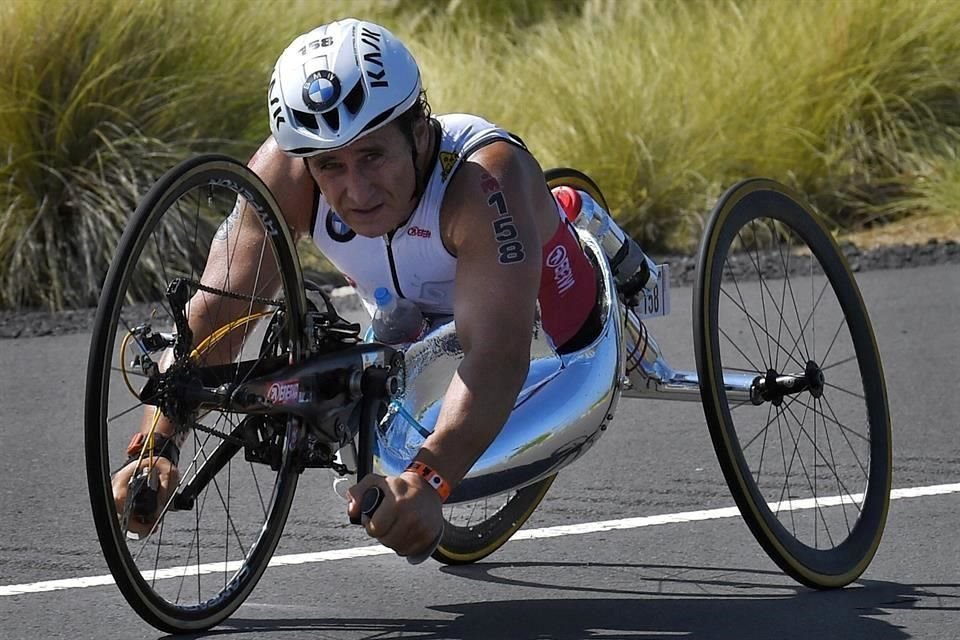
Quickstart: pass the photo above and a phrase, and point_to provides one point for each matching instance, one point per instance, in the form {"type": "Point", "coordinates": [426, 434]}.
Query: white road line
{"type": "Point", "coordinates": [531, 534]}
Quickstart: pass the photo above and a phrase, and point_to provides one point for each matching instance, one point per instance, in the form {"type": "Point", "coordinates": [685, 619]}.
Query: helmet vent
{"type": "Point", "coordinates": [375, 122]}
{"type": "Point", "coordinates": [305, 119]}
{"type": "Point", "coordinates": [354, 99]}
{"type": "Point", "coordinates": [332, 118]}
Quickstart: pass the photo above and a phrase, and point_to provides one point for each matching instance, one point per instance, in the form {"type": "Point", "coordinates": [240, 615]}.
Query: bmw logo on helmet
{"type": "Point", "coordinates": [321, 90]}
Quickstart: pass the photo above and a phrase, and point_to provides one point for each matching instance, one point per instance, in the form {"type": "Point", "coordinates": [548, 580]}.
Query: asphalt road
{"type": "Point", "coordinates": [660, 577]}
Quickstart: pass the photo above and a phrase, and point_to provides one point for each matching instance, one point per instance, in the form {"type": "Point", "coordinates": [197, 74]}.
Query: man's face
{"type": "Point", "coordinates": [370, 182]}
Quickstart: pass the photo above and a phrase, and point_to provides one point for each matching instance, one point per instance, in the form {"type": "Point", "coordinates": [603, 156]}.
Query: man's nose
{"type": "Point", "coordinates": [359, 187]}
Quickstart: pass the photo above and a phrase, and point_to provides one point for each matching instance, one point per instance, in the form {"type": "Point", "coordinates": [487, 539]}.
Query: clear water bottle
{"type": "Point", "coordinates": [632, 269]}
{"type": "Point", "coordinates": [397, 320]}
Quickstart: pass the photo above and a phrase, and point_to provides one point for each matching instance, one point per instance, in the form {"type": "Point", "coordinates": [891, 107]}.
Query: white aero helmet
{"type": "Point", "coordinates": [337, 83]}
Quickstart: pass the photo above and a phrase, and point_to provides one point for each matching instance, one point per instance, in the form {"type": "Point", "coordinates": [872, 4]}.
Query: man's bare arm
{"type": "Point", "coordinates": [498, 243]}
{"type": "Point", "coordinates": [241, 258]}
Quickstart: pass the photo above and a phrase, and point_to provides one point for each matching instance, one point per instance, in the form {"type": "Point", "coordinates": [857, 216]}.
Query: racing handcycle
{"type": "Point", "coordinates": [787, 370]}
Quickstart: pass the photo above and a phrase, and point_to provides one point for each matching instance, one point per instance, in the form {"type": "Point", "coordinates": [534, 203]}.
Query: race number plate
{"type": "Point", "coordinates": [655, 302]}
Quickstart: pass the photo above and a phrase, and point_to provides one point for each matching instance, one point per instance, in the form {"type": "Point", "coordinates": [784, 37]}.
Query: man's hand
{"type": "Point", "coordinates": [409, 518]}
{"type": "Point", "coordinates": [168, 477]}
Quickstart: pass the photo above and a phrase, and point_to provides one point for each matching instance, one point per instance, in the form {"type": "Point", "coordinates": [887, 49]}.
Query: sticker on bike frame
{"type": "Point", "coordinates": [655, 302]}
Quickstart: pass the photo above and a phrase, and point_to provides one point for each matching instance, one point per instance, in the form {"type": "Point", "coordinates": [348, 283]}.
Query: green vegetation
{"type": "Point", "coordinates": [854, 102]}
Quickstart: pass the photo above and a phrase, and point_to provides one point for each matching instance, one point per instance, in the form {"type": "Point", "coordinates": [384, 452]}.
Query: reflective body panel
{"type": "Point", "coordinates": [566, 402]}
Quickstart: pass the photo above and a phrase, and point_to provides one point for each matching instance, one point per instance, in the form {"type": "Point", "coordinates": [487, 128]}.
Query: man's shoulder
{"type": "Point", "coordinates": [456, 117]}
{"type": "Point", "coordinates": [498, 170]}
{"type": "Point", "coordinates": [463, 130]}
{"type": "Point", "coordinates": [469, 144]}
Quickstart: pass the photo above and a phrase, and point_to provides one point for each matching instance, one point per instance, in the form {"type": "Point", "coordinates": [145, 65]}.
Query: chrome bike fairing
{"type": "Point", "coordinates": [565, 403]}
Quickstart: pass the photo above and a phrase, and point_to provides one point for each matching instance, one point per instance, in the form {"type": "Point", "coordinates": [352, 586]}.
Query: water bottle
{"type": "Point", "coordinates": [631, 267]}
{"type": "Point", "coordinates": [397, 320]}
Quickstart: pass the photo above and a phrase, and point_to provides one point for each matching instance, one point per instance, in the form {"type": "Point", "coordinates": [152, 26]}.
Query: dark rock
{"type": "Point", "coordinates": [683, 273]}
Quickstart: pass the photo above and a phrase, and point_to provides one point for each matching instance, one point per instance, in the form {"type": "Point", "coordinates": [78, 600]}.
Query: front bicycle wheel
{"type": "Point", "coordinates": [792, 384]}
{"type": "Point", "coordinates": [212, 224]}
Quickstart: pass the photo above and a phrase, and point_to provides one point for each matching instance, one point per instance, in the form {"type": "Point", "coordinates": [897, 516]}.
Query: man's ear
{"type": "Point", "coordinates": [421, 132]}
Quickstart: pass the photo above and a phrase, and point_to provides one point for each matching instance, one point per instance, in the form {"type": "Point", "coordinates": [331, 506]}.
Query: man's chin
{"type": "Point", "coordinates": [372, 228]}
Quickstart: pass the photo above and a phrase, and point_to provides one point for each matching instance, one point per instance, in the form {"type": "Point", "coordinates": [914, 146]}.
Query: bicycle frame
{"type": "Point", "coordinates": [648, 375]}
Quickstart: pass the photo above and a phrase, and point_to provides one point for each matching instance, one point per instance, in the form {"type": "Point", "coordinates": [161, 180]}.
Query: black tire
{"type": "Point", "coordinates": [498, 519]}
{"type": "Point", "coordinates": [825, 527]}
{"type": "Point", "coordinates": [168, 236]}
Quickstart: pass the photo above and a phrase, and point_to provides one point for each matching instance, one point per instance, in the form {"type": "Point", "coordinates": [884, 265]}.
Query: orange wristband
{"type": "Point", "coordinates": [433, 478]}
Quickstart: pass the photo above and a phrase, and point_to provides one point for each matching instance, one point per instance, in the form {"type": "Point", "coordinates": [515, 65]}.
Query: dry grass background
{"type": "Point", "coordinates": [856, 104]}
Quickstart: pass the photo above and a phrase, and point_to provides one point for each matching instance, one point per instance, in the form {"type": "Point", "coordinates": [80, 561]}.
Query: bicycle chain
{"type": "Point", "coordinates": [236, 296]}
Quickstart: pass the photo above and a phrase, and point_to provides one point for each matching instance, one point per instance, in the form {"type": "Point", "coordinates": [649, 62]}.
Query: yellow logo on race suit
{"type": "Point", "coordinates": [447, 160]}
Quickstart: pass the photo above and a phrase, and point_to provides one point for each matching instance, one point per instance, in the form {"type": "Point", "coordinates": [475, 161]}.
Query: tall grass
{"type": "Point", "coordinates": [855, 103]}
{"type": "Point", "coordinates": [667, 104]}
{"type": "Point", "coordinates": [97, 99]}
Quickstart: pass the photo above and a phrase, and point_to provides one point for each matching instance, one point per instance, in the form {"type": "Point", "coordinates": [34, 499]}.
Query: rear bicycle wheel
{"type": "Point", "coordinates": [807, 453]}
{"type": "Point", "coordinates": [474, 530]}
{"type": "Point", "coordinates": [200, 562]}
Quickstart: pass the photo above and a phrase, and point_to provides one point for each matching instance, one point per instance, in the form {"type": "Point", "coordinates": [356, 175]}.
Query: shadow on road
{"type": "Point", "coordinates": [686, 601]}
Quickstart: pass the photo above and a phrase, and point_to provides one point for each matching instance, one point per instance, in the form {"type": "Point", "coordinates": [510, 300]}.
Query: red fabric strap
{"type": "Point", "coordinates": [568, 285]}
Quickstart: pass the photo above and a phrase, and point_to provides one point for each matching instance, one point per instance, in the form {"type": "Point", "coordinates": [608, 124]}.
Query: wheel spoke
{"type": "Point", "coordinates": [785, 489]}
{"type": "Point", "coordinates": [845, 431]}
{"type": "Point", "coordinates": [796, 310]}
{"type": "Point", "coordinates": [763, 305]}
{"type": "Point", "coordinates": [742, 306]}
{"type": "Point", "coordinates": [817, 451]}
{"type": "Point", "coordinates": [739, 350]}
{"type": "Point", "coordinates": [764, 287]}
{"type": "Point", "coordinates": [753, 371]}
{"type": "Point", "coordinates": [752, 321]}
{"type": "Point", "coordinates": [838, 363]}
{"type": "Point", "coordinates": [810, 316]}
{"type": "Point", "coordinates": [855, 395]}
{"type": "Point", "coordinates": [803, 326]}
{"type": "Point", "coordinates": [783, 289]}
{"type": "Point", "coordinates": [763, 445]}
{"type": "Point", "coordinates": [803, 466]}
{"type": "Point", "coordinates": [770, 420]}
{"type": "Point", "coordinates": [125, 412]}
{"type": "Point", "coordinates": [833, 460]}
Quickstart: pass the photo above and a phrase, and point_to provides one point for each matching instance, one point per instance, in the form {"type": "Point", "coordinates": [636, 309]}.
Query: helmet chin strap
{"type": "Point", "coordinates": [420, 185]}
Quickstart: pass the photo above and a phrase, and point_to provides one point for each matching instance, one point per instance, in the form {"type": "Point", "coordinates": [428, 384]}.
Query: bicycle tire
{"type": "Point", "coordinates": [830, 559]}
{"type": "Point", "coordinates": [466, 544]}
{"type": "Point", "coordinates": [205, 173]}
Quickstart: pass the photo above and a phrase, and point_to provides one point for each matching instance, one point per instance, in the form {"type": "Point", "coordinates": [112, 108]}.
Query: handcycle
{"type": "Point", "coordinates": [789, 377]}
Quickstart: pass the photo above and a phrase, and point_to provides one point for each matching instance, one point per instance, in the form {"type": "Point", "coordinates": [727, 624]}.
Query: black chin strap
{"type": "Point", "coordinates": [420, 177]}
{"type": "Point", "coordinates": [418, 186]}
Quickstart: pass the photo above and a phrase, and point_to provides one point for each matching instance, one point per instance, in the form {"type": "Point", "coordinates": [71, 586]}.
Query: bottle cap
{"type": "Point", "coordinates": [382, 296]}
{"type": "Point", "coordinates": [569, 201]}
